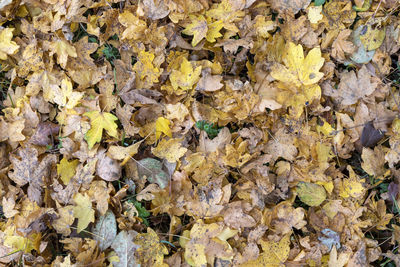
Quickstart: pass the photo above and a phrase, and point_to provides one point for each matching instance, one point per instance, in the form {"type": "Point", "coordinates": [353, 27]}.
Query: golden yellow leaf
{"type": "Point", "coordinates": [145, 69]}
{"type": "Point", "coordinates": [170, 150]}
{"type": "Point", "coordinates": [99, 121]}
{"type": "Point", "coordinates": [66, 169]}
{"type": "Point", "coordinates": [83, 211]}
{"type": "Point", "coordinates": [20, 243]}
{"type": "Point", "coordinates": [162, 126]}
{"type": "Point", "coordinates": [66, 96]}
{"type": "Point", "coordinates": [135, 26]}
{"type": "Point", "coordinates": [213, 30]}
{"type": "Point", "coordinates": [299, 77]}
{"type": "Point", "coordinates": [299, 70]}
{"type": "Point", "coordinates": [186, 77]}
{"type": "Point", "coordinates": [274, 253]}
{"type": "Point", "coordinates": [352, 186]}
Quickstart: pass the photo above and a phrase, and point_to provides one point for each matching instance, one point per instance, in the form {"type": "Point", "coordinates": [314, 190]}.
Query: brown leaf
{"type": "Point", "coordinates": [208, 82]}
{"type": "Point", "coordinates": [45, 134]}
{"type": "Point", "coordinates": [28, 169]}
{"type": "Point", "coordinates": [107, 168]}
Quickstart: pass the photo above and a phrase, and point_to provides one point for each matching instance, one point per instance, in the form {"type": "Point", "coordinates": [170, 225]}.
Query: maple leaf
{"type": "Point", "coordinates": [145, 69]}
{"type": "Point", "coordinates": [63, 50]}
{"type": "Point", "coordinates": [299, 75]}
{"type": "Point", "coordinates": [341, 46]}
{"type": "Point", "coordinates": [151, 250]}
{"type": "Point", "coordinates": [186, 77]}
{"type": "Point", "coordinates": [213, 30]}
{"type": "Point", "coordinates": [135, 26]}
{"type": "Point", "coordinates": [7, 47]}
{"type": "Point", "coordinates": [171, 150]}
{"type": "Point", "coordinates": [352, 88]}
{"type": "Point", "coordinates": [28, 169]}
{"type": "Point", "coordinates": [83, 211]}
{"type": "Point", "coordinates": [204, 242]}
{"type": "Point", "coordinates": [298, 70]}
{"type": "Point", "coordinates": [274, 253]}
{"type": "Point", "coordinates": [99, 121]}
{"type": "Point", "coordinates": [198, 28]}
{"type": "Point", "coordinates": [65, 93]}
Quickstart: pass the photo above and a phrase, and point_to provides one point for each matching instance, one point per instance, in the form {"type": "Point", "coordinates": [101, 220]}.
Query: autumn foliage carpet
{"type": "Point", "coordinates": [199, 133]}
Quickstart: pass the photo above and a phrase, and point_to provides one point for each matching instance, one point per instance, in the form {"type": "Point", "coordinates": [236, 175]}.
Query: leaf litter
{"type": "Point", "coordinates": [199, 133]}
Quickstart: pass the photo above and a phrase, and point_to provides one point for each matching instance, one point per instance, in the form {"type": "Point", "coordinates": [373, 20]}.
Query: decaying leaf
{"type": "Point", "coordinates": [105, 230]}
{"type": "Point", "coordinates": [199, 133]}
{"type": "Point", "coordinates": [28, 169]}
{"type": "Point", "coordinates": [125, 248]}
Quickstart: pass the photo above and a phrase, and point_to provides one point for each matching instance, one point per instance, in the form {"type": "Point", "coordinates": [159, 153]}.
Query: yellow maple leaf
{"type": "Point", "coordinates": [83, 211]}
{"type": "Point", "coordinates": [7, 47]}
{"type": "Point", "coordinates": [162, 126]}
{"type": "Point", "coordinates": [170, 150]}
{"type": "Point", "coordinates": [151, 251]}
{"type": "Point", "coordinates": [66, 92]}
{"type": "Point", "coordinates": [198, 28]}
{"type": "Point", "coordinates": [353, 186]}
{"type": "Point", "coordinates": [186, 77]}
{"type": "Point", "coordinates": [204, 242]}
{"type": "Point", "coordinates": [135, 26]}
{"type": "Point", "coordinates": [299, 70]}
{"type": "Point", "coordinates": [226, 12]}
{"type": "Point", "coordinates": [213, 30]}
{"type": "Point", "coordinates": [21, 243]}
{"type": "Point", "coordinates": [63, 49]}
{"type": "Point", "coordinates": [66, 169]}
{"type": "Point", "coordinates": [145, 69]}
{"type": "Point", "coordinates": [99, 121]}
{"type": "Point", "coordinates": [274, 253]}
{"type": "Point", "coordinates": [299, 76]}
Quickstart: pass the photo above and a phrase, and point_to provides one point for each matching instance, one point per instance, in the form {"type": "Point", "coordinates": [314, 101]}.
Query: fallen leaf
{"type": "Point", "coordinates": [98, 122]}
{"type": "Point", "coordinates": [105, 230]}
{"type": "Point", "coordinates": [311, 194]}
{"type": "Point", "coordinates": [170, 150]}
{"type": "Point", "coordinates": [83, 211]}
{"type": "Point", "coordinates": [125, 248]}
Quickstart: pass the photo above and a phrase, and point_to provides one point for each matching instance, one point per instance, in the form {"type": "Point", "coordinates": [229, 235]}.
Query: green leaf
{"type": "Point", "coordinates": [319, 2]}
